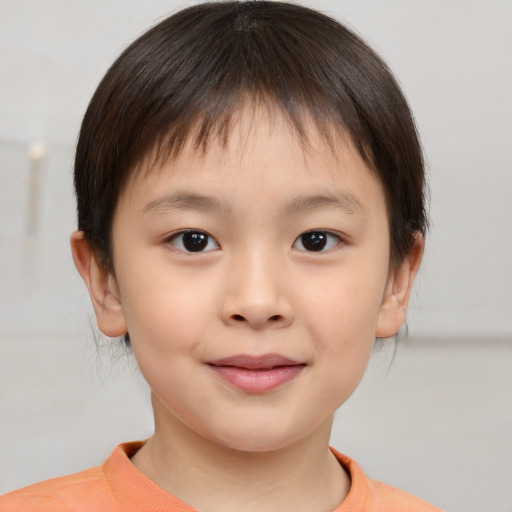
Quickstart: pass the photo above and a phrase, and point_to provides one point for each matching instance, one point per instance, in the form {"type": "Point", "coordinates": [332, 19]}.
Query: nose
{"type": "Point", "coordinates": [257, 295]}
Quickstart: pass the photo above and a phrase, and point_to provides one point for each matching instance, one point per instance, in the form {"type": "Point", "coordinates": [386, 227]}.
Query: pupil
{"type": "Point", "coordinates": [195, 242]}
{"type": "Point", "coordinates": [314, 241]}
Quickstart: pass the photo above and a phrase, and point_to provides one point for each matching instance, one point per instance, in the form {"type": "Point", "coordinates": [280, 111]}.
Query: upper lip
{"type": "Point", "coordinates": [264, 362]}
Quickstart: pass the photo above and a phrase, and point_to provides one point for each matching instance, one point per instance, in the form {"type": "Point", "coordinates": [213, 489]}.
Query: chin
{"type": "Point", "coordinates": [256, 445]}
{"type": "Point", "coordinates": [258, 439]}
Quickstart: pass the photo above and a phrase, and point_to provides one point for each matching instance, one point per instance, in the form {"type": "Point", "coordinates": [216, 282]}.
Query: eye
{"type": "Point", "coordinates": [316, 241]}
{"type": "Point", "coordinates": [193, 241]}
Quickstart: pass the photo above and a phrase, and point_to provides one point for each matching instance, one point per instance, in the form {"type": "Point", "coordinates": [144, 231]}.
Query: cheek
{"type": "Point", "coordinates": [347, 308]}
{"type": "Point", "coordinates": [342, 323]}
{"type": "Point", "coordinates": [171, 313]}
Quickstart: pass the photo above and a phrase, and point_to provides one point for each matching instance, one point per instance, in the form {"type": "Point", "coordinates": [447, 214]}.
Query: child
{"type": "Point", "coordinates": [251, 217]}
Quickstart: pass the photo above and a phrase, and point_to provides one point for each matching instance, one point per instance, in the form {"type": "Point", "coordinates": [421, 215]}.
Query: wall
{"type": "Point", "coordinates": [426, 422]}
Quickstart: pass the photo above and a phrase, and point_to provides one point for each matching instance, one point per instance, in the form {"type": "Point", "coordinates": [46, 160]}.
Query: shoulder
{"type": "Point", "coordinates": [62, 494]}
{"type": "Point", "coordinates": [398, 500]}
{"type": "Point", "coordinates": [113, 487]}
{"type": "Point", "coordinates": [368, 495]}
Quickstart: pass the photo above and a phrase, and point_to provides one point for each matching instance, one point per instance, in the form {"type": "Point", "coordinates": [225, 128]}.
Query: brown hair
{"type": "Point", "coordinates": [185, 78]}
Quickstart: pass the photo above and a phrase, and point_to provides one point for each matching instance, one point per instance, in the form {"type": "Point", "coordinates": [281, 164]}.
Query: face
{"type": "Point", "coordinates": [253, 281]}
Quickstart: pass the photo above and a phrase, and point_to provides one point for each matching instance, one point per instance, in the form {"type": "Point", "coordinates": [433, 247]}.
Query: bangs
{"type": "Point", "coordinates": [193, 93]}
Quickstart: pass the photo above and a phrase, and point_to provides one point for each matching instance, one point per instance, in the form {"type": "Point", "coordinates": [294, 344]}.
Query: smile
{"type": "Point", "coordinates": [256, 374]}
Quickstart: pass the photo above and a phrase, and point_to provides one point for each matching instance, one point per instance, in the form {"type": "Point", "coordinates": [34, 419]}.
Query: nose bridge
{"type": "Point", "coordinates": [257, 292]}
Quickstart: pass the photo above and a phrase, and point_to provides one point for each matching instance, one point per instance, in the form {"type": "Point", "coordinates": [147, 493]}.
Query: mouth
{"type": "Point", "coordinates": [256, 374]}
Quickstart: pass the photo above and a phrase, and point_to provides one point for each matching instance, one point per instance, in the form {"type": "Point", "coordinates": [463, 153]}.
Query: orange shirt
{"type": "Point", "coordinates": [117, 486]}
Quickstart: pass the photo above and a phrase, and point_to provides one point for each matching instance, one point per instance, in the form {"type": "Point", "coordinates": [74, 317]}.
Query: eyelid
{"type": "Point", "coordinates": [339, 240]}
{"type": "Point", "coordinates": [176, 234]}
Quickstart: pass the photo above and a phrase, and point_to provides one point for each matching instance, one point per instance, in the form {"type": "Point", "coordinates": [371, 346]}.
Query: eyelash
{"type": "Point", "coordinates": [197, 236]}
{"type": "Point", "coordinates": [319, 241]}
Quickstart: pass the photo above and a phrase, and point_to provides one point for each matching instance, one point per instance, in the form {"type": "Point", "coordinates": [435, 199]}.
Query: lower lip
{"type": "Point", "coordinates": [257, 381]}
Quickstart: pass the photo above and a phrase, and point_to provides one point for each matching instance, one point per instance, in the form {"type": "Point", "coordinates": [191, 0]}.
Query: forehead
{"type": "Point", "coordinates": [250, 132]}
{"type": "Point", "coordinates": [266, 159]}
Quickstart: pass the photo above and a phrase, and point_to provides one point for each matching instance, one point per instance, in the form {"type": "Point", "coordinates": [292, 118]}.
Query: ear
{"type": "Point", "coordinates": [398, 291]}
{"type": "Point", "coordinates": [102, 288]}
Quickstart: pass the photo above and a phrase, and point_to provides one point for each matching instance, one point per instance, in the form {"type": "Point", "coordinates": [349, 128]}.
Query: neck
{"type": "Point", "coordinates": [304, 476]}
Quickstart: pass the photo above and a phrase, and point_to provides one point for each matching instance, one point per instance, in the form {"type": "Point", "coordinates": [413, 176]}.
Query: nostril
{"type": "Point", "coordinates": [241, 318]}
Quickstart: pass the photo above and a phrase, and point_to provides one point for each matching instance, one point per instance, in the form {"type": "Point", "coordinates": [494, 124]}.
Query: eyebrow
{"type": "Point", "coordinates": [185, 201]}
{"type": "Point", "coordinates": [345, 201]}
{"type": "Point", "coordinates": [189, 201]}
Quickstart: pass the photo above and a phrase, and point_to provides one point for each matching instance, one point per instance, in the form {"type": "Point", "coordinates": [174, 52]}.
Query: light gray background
{"type": "Point", "coordinates": [438, 420]}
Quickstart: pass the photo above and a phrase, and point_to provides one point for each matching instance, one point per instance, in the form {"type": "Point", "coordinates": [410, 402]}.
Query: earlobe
{"type": "Point", "coordinates": [398, 292]}
{"type": "Point", "coordinates": [102, 288]}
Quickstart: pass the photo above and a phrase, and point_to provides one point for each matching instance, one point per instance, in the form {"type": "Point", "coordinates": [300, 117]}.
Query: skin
{"type": "Point", "coordinates": [255, 290]}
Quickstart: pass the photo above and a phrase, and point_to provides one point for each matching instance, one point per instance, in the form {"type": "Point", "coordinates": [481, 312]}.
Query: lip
{"type": "Point", "coordinates": [259, 374]}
